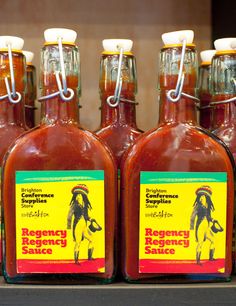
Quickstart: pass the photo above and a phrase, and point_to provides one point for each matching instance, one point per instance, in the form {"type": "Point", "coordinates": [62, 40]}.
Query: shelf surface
{"type": "Point", "coordinates": [119, 294]}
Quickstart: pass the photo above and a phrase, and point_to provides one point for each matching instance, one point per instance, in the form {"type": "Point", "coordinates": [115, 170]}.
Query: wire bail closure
{"type": "Point", "coordinates": [63, 90]}
{"type": "Point", "coordinates": [174, 95]}
{"type": "Point", "coordinates": [13, 95]}
{"type": "Point", "coordinates": [116, 98]}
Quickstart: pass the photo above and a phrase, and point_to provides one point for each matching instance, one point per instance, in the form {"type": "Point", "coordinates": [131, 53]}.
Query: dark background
{"type": "Point", "coordinates": [223, 19]}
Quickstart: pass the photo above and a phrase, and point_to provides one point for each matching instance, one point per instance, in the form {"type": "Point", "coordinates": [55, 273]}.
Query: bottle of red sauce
{"type": "Point", "coordinates": [12, 71]}
{"type": "Point", "coordinates": [31, 90]}
{"type": "Point", "coordinates": [59, 189]}
{"type": "Point", "coordinates": [204, 88]}
{"type": "Point", "coordinates": [118, 112]}
{"type": "Point", "coordinates": [118, 116]}
{"type": "Point", "coordinates": [177, 185]}
{"type": "Point", "coordinates": [224, 92]}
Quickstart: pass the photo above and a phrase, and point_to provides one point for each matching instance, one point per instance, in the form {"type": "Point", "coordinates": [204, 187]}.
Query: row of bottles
{"type": "Point", "coordinates": [64, 219]}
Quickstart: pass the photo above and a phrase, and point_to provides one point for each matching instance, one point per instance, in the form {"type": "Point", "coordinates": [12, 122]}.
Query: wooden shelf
{"type": "Point", "coordinates": [119, 294]}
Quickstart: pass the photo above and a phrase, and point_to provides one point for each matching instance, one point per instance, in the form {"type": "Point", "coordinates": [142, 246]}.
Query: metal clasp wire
{"type": "Point", "coordinates": [116, 97]}
{"type": "Point", "coordinates": [178, 91]}
{"type": "Point", "coordinates": [13, 96]}
{"type": "Point", "coordinates": [62, 87]}
{"type": "Point", "coordinates": [227, 100]}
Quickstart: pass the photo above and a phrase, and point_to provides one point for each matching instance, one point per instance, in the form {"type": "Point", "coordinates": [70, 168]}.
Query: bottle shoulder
{"type": "Point", "coordinates": [228, 135]}
{"type": "Point", "coordinates": [59, 143]}
{"type": "Point", "coordinates": [182, 147]}
{"type": "Point", "coordinates": [118, 132]}
{"type": "Point", "coordinates": [8, 135]}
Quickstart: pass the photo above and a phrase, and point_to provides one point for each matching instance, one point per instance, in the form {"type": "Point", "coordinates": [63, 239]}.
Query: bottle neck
{"type": "Point", "coordinates": [184, 110]}
{"type": "Point", "coordinates": [223, 114]}
{"type": "Point", "coordinates": [31, 86]}
{"type": "Point", "coordinates": [223, 88]}
{"type": "Point", "coordinates": [56, 110]}
{"type": "Point", "coordinates": [204, 85]}
{"type": "Point", "coordinates": [123, 114]}
{"type": "Point", "coordinates": [12, 113]}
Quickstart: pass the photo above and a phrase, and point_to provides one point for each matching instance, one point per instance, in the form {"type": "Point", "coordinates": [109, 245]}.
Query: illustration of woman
{"type": "Point", "coordinates": [205, 226]}
{"type": "Point", "coordinates": [79, 208]}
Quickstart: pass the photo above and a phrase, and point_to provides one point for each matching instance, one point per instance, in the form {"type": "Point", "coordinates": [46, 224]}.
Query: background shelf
{"type": "Point", "coordinates": [119, 294]}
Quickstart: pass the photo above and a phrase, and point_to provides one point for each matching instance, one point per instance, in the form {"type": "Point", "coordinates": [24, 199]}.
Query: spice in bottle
{"type": "Point", "coordinates": [177, 185]}
{"type": "Point", "coordinates": [59, 190]}
{"type": "Point", "coordinates": [31, 90]}
{"type": "Point", "coordinates": [204, 88]}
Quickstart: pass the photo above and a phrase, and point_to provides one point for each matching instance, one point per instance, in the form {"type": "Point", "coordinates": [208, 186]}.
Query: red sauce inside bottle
{"type": "Point", "coordinates": [30, 96]}
{"type": "Point", "coordinates": [58, 144]}
{"type": "Point", "coordinates": [118, 125]}
{"type": "Point", "coordinates": [205, 115]}
{"type": "Point", "coordinates": [177, 145]}
{"type": "Point", "coordinates": [12, 121]}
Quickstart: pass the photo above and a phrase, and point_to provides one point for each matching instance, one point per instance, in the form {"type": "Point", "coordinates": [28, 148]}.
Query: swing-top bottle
{"type": "Point", "coordinates": [177, 185]}
{"type": "Point", "coordinates": [12, 73]}
{"type": "Point", "coordinates": [223, 86]}
{"type": "Point", "coordinates": [59, 190]}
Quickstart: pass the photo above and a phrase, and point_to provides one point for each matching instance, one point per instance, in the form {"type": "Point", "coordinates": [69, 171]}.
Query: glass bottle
{"type": "Point", "coordinates": [118, 124]}
{"type": "Point", "coordinates": [204, 88]}
{"type": "Point", "coordinates": [63, 181]}
{"type": "Point", "coordinates": [174, 177]}
{"type": "Point", "coordinates": [12, 120]}
{"type": "Point", "coordinates": [223, 87]}
{"type": "Point", "coordinates": [31, 90]}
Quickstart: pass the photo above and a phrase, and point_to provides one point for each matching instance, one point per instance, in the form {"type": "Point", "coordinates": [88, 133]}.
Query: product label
{"type": "Point", "coordinates": [60, 221]}
{"type": "Point", "coordinates": [182, 222]}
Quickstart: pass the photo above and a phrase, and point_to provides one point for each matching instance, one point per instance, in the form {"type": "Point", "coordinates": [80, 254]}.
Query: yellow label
{"type": "Point", "coordinates": [182, 222]}
{"type": "Point", "coordinates": [60, 225]}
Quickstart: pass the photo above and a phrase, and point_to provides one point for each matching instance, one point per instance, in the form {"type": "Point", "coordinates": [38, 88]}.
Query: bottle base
{"type": "Point", "coordinates": [178, 279]}
{"type": "Point", "coordinates": [57, 279]}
